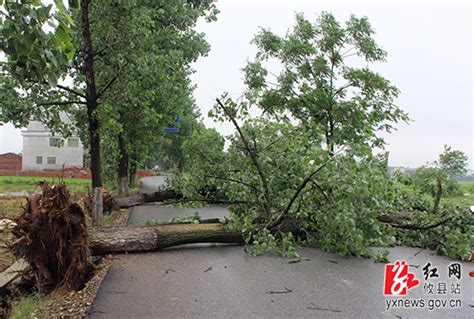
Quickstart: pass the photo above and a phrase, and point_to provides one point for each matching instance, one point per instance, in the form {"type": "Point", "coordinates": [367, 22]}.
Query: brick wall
{"type": "Point", "coordinates": [72, 172]}
{"type": "Point", "coordinates": [10, 161]}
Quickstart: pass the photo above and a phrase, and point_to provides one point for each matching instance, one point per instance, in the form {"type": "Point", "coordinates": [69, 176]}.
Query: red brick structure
{"type": "Point", "coordinates": [71, 172]}
{"type": "Point", "coordinates": [10, 161]}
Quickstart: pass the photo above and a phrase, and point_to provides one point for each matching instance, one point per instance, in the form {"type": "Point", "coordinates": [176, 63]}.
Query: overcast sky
{"type": "Point", "coordinates": [429, 46]}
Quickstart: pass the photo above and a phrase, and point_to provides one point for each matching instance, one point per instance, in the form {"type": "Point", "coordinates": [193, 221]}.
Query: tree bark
{"type": "Point", "coordinates": [151, 238]}
{"type": "Point", "coordinates": [133, 173]}
{"type": "Point", "coordinates": [439, 193]}
{"type": "Point", "coordinates": [122, 172]}
{"type": "Point", "coordinates": [140, 199]}
{"type": "Point", "coordinates": [92, 116]}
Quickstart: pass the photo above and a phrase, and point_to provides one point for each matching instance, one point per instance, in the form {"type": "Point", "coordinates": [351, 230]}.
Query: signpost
{"type": "Point", "coordinates": [172, 129]}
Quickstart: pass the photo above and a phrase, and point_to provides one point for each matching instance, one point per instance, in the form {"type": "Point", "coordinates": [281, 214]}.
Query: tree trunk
{"type": "Point", "coordinates": [151, 238]}
{"type": "Point", "coordinates": [133, 174]}
{"type": "Point", "coordinates": [140, 199]}
{"type": "Point", "coordinates": [122, 172]}
{"type": "Point", "coordinates": [92, 116]}
{"type": "Point", "coordinates": [439, 193]}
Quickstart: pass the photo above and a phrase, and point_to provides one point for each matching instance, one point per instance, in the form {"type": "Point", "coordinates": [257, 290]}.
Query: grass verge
{"type": "Point", "coordinates": [72, 305]}
{"type": "Point", "coordinates": [9, 184]}
{"type": "Point", "coordinates": [25, 307]}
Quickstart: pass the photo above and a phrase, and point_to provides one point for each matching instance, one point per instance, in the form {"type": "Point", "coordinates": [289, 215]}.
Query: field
{"type": "Point", "coordinates": [467, 199]}
{"type": "Point", "coordinates": [467, 186]}
{"type": "Point", "coordinates": [10, 184]}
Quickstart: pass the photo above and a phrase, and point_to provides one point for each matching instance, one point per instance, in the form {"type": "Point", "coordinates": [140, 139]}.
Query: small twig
{"type": "Point", "coordinates": [272, 224]}
{"type": "Point", "coordinates": [314, 307]}
{"type": "Point", "coordinates": [208, 269]}
{"type": "Point", "coordinates": [419, 251]}
{"type": "Point", "coordinates": [107, 86]}
{"type": "Point", "coordinates": [421, 227]}
{"type": "Point", "coordinates": [280, 292]}
{"type": "Point", "coordinates": [60, 103]}
{"type": "Point", "coordinates": [321, 190]}
{"type": "Point", "coordinates": [68, 89]}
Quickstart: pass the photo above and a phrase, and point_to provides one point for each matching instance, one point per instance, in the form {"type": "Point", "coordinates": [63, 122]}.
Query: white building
{"type": "Point", "coordinates": [43, 150]}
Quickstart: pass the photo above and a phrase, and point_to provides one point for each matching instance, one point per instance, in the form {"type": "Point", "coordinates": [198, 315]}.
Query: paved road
{"type": "Point", "coordinates": [221, 281]}
{"type": "Point", "coordinates": [152, 183]}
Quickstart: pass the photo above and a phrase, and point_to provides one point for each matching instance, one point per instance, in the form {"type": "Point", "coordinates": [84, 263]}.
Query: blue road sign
{"type": "Point", "coordinates": [172, 130]}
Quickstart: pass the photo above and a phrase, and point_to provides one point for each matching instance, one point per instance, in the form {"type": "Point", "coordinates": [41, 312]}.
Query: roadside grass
{"type": "Point", "coordinates": [9, 184]}
{"type": "Point", "coordinates": [9, 207]}
{"type": "Point", "coordinates": [26, 307]}
{"type": "Point", "coordinates": [115, 218]}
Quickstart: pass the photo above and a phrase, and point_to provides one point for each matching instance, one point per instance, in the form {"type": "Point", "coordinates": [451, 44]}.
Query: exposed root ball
{"type": "Point", "coordinates": [52, 236]}
{"type": "Point", "coordinates": [108, 203]}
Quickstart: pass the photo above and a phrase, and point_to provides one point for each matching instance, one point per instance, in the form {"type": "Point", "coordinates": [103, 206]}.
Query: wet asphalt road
{"type": "Point", "coordinates": [221, 281]}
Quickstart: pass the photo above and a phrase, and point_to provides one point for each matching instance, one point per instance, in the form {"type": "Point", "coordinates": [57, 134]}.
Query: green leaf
{"type": "Point", "coordinates": [51, 79]}
{"type": "Point", "coordinates": [74, 4]}
{"type": "Point", "coordinates": [62, 34]}
{"type": "Point", "coordinates": [69, 19]}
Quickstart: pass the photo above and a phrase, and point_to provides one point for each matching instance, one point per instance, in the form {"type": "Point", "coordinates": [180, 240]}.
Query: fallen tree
{"type": "Point", "coordinates": [53, 238]}
{"type": "Point", "coordinates": [140, 199]}
{"type": "Point", "coordinates": [152, 238]}
{"type": "Point", "coordinates": [51, 235]}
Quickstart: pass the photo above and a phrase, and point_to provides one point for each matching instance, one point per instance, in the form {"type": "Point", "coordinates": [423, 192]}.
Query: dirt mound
{"type": "Point", "coordinates": [52, 236]}
{"type": "Point", "coordinates": [145, 172]}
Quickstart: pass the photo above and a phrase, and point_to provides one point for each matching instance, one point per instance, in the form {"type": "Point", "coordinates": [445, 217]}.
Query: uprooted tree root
{"type": "Point", "coordinates": [108, 203]}
{"type": "Point", "coordinates": [51, 236]}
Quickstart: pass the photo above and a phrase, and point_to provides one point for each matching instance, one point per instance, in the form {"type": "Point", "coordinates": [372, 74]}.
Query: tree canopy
{"type": "Point", "coordinates": [127, 65]}
{"type": "Point", "coordinates": [304, 171]}
{"type": "Point", "coordinates": [452, 162]}
{"type": "Point", "coordinates": [317, 84]}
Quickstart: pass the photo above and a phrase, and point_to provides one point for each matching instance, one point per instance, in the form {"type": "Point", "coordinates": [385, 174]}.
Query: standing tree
{"type": "Point", "coordinates": [38, 60]}
{"type": "Point", "coordinates": [135, 110]}
{"type": "Point", "coordinates": [91, 49]}
{"type": "Point", "coordinates": [452, 162]}
{"type": "Point", "coordinates": [437, 180]}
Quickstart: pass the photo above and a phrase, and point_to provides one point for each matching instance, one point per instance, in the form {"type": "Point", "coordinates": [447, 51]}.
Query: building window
{"type": "Point", "coordinates": [51, 160]}
{"type": "Point", "coordinates": [54, 141]}
{"type": "Point", "coordinates": [39, 159]}
{"type": "Point", "coordinates": [73, 142]}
